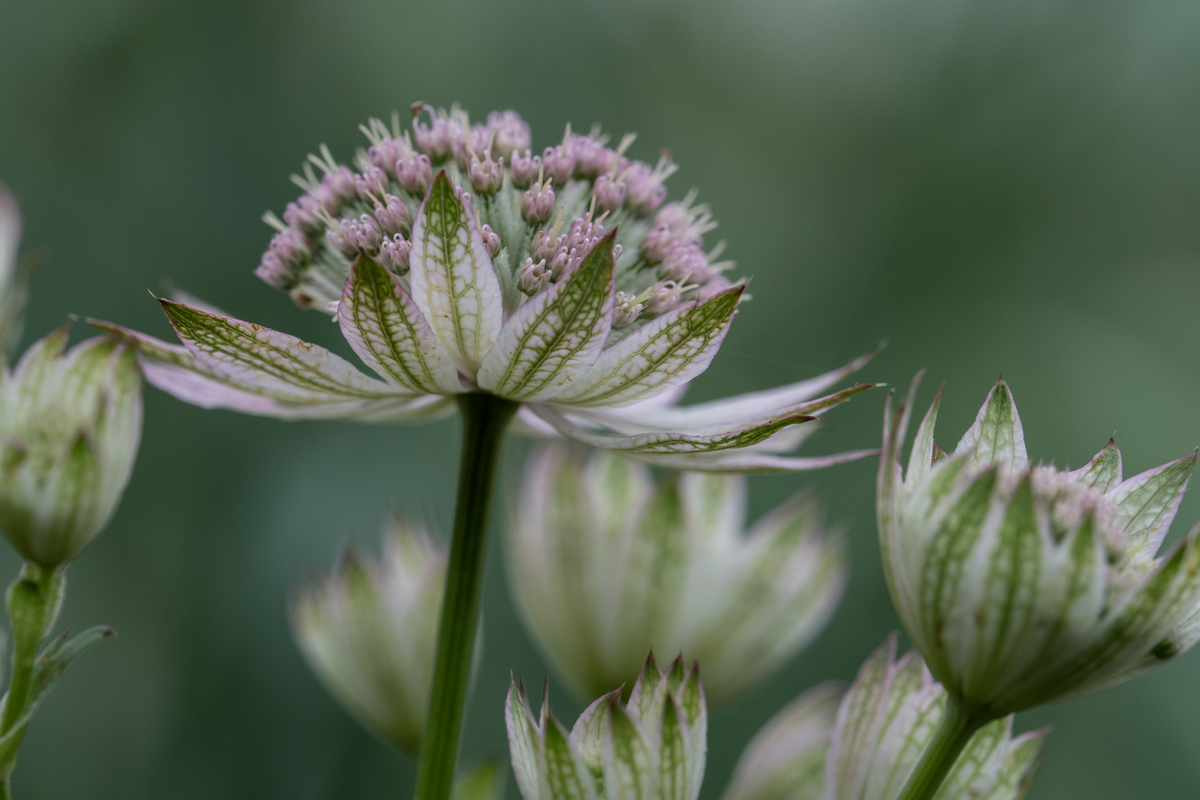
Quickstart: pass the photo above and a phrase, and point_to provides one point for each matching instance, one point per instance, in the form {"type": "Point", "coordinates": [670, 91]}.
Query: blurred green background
{"type": "Point", "coordinates": [992, 187]}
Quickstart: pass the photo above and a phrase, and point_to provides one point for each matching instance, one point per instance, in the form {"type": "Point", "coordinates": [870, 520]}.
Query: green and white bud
{"type": "Point", "coordinates": [70, 423]}
{"type": "Point", "coordinates": [606, 565]}
{"type": "Point", "coordinates": [370, 631]}
{"type": "Point", "coordinates": [866, 746]}
{"type": "Point", "coordinates": [1023, 585]}
{"type": "Point", "coordinates": [652, 747]}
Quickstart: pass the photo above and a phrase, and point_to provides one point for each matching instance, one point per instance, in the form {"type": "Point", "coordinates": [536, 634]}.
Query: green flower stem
{"type": "Point", "coordinates": [957, 727]}
{"type": "Point", "coordinates": [484, 420]}
{"type": "Point", "coordinates": [33, 601]}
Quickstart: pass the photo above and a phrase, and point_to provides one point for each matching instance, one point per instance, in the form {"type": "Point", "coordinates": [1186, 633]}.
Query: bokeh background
{"type": "Point", "coordinates": [991, 187]}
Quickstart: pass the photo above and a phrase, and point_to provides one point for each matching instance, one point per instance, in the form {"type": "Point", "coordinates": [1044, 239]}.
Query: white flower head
{"type": "Point", "coordinates": [863, 744]}
{"type": "Point", "coordinates": [606, 565]}
{"type": "Point", "coordinates": [70, 423]}
{"type": "Point", "coordinates": [1023, 585]}
{"type": "Point", "coordinates": [581, 298]}
{"type": "Point", "coordinates": [370, 630]}
{"type": "Point", "coordinates": [652, 747]}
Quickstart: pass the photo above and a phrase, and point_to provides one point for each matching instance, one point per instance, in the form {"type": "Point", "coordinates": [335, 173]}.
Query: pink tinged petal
{"type": "Point", "coordinates": [452, 278]}
{"type": "Point", "coordinates": [388, 332]}
{"type": "Point", "coordinates": [174, 370]}
{"type": "Point", "coordinates": [269, 362]}
{"type": "Point", "coordinates": [749, 461]}
{"type": "Point", "coordinates": [554, 339]}
{"type": "Point", "coordinates": [1146, 503]}
{"type": "Point", "coordinates": [751, 404]}
{"type": "Point", "coordinates": [665, 442]}
{"type": "Point", "coordinates": [666, 352]}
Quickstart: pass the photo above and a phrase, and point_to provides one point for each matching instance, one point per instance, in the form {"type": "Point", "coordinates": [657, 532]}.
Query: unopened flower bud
{"type": "Point", "coordinates": [534, 277]}
{"type": "Point", "coordinates": [303, 215]}
{"type": "Point", "coordinates": [371, 184]}
{"type": "Point", "coordinates": [369, 631]}
{"type": "Point", "coordinates": [69, 430]}
{"type": "Point", "coordinates": [662, 297]}
{"type": "Point", "coordinates": [393, 217]}
{"type": "Point", "coordinates": [646, 188]}
{"type": "Point", "coordinates": [609, 192]}
{"type": "Point", "coordinates": [591, 158]}
{"type": "Point", "coordinates": [864, 743]}
{"type": "Point", "coordinates": [487, 176]}
{"type": "Point", "coordinates": [1016, 545]}
{"type": "Point", "coordinates": [433, 139]}
{"type": "Point", "coordinates": [685, 261]}
{"type": "Point", "coordinates": [491, 240]}
{"type": "Point", "coordinates": [652, 747]}
{"type": "Point", "coordinates": [525, 169]}
{"type": "Point", "coordinates": [275, 271]}
{"type": "Point", "coordinates": [509, 132]}
{"type": "Point", "coordinates": [341, 184]}
{"type": "Point", "coordinates": [414, 173]}
{"type": "Point", "coordinates": [559, 164]}
{"type": "Point", "coordinates": [568, 562]}
{"type": "Point", "coordinates": [393, 254]}
{"type": "Point", "coordinates": [626, 309]}
{"type": "Point", "coordinates": [291, 247]}
{"type": "Point", "coordinates": [385, 153]}
{"type": "Point", "coordinates": [537, 202]}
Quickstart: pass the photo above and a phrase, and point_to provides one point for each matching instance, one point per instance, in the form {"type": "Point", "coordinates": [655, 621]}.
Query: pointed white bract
{"type": "Point", "coordinates": [12, 280]}
{"type": "Point", "coordinates": [606, 565]}
{"type": "Point", "coordinates": [370, 631]}
{"type": "Point", "coordinates": [1023, 585]}
{"type": "Point", "coordinates": [652, 747]}
{"type": "Point", "coordinates": [864, 743]}
{"type": "Point", "coordinates": [441, 291]}
{"type": "Point", "coordinates": [70, 423]}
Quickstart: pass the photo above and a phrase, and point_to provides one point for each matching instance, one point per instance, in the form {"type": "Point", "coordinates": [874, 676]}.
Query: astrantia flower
{"type": "Point", "coordinates": [866, 747]}
{"type": "Point", "coordinates": [1026, 585]}
{"type": "Point", "coordinates": [605, 566]}
{"type": "Point", "coordinates": [456, 261]}
{"type": "Point", "coordinates": [650, 748]}
{"type": "Point", "coordinates": [69, 430]}
{"type": "Point", "coordinates": [370, 629]}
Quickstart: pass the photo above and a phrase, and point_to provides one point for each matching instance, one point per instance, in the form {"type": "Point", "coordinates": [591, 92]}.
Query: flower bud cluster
{"type": "Point", "coordinates": [585, 186]}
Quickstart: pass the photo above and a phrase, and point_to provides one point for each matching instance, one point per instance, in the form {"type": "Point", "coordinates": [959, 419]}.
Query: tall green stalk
{"type": "Point", "coordinates": [484, 420]}
{"type": "Point", "coordinates": [957, 727]}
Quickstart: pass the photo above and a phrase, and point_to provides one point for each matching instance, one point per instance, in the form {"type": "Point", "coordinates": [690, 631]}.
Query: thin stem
{"type": "Point", "coordinates": [33, 601]}
{"type": "Point", "coordinates": [484, 420]}
{"type": "Point", "coordinates": [957, 727]}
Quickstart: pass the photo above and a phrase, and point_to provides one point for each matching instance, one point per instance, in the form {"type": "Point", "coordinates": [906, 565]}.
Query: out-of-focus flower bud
{"type": "Point", "coordinates": [70, 423]}
{"type": "Point", "coordinates": [606, 565]}
{"type": "Point", "coordinates": [370, 630]}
